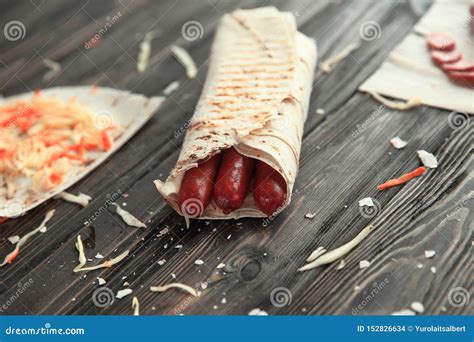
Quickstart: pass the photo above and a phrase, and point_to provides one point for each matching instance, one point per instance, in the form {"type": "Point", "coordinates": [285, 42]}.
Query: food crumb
{"type": "Point", "coordinates": [427, 159]}
{"type": "Point", "coordinates": [257, 312]}
{"type": "Point", "coordinates": [429, 254]}
{"type": "Point", "coordinates": [404, 312]}
{"type": "Point", "coordinates": [398, 143]}
{"type": "Point", "coordinates": [122, 293]}
{"type": "Point", "coordinates": [364, 264]}
{"type": "Point", "coordinates": [418, 307]}
{"type": "Point", "coordinates": [368, 202]}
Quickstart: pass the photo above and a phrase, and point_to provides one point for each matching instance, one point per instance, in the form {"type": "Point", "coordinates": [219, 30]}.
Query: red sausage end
{"type": "Point", "coordinates": [269, 191]}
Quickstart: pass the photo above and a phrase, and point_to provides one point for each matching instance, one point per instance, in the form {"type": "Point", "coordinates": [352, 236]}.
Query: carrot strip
{"type": "Point", "coordinates": [13, 255]}
{"type": "Point", "coordinates": [106, 140]}
{"type": "Point", "coordinates": [55, 178]}
{"type": "Point", "coordinates": [403, 179]}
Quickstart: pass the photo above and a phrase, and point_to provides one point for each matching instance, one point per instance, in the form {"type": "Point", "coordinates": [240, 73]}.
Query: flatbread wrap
{"type": "Point", "coordinates": [244, 139]}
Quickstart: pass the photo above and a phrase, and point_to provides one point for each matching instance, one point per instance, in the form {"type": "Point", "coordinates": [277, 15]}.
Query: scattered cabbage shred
{"type": "Point", "coordinates": [135, 306]}
{"type": "Point", "coordinates": [185, 59]}
{"type": "Point", "coordinates": [180, 286]}
{"type": "Point", "coordinates": [105, 264]}
{"type": "Point", "coordinates": [40, 229]}
{"type": "Point", "coordinates": [339, 252]}
{"type": "Point", "coordinates": [80, 199]}
{"type": "Point", "coordinates": [54, 69]}
{"type": "Point", "coordinates": [129, 218]}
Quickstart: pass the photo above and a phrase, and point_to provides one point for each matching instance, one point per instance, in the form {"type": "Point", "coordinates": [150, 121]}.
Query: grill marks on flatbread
{"type": "Point", "coordinates": [252, 73]}
{"type": "Point", "coordinates": [255, 98]}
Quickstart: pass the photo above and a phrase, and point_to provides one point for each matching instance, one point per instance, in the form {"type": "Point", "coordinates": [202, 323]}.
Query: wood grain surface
{"type": "Point", "coordinates": [345, 155]}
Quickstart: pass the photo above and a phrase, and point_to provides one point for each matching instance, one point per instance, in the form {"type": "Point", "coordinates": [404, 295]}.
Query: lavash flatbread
{"type": "Point", "coordinates": [124, 109]}
{"type": "Point", "coordinates": [255, 98]}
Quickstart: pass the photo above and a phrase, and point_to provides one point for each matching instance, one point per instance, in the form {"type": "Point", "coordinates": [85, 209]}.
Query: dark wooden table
{"type": "Point", "coordinates": [345, 154]}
